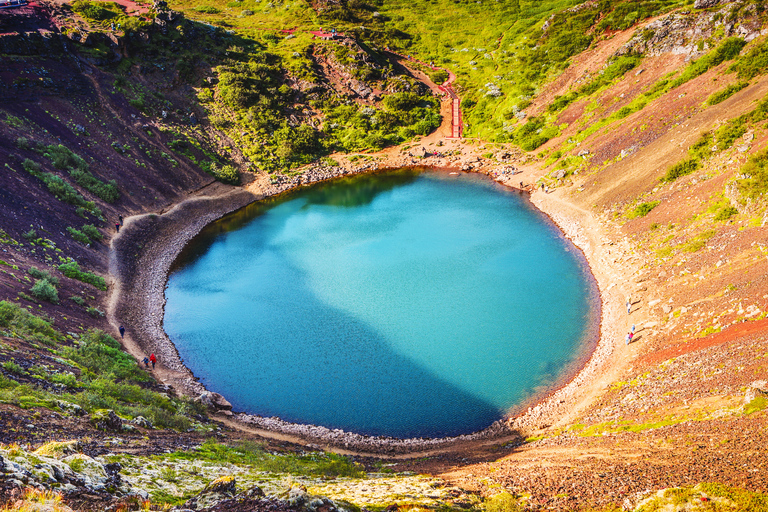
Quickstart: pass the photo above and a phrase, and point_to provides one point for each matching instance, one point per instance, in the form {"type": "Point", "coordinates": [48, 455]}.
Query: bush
{"type": "Point", "coordinates": [78, 235]}
{"type": "Point", "coordinates": [644, 209]}
{"type": "Point", "coordinates": [77, 300]}
{"type": "Point", "coordinates": [23, 143]}
{"type": "Point", "coordinates": [92, 232]}
{"type": "Point", "coordinates": [728, 134]}
{"type": "Point", "coordinates": [95, 312]}
{"type": "Point", "coordinates": [681, 169]}
{"type": "Point", "coordinates": [72, 270]}
{"type": "Point", "coordinates": [42, 274]}
{"type": "Point", "coordinates": [726, 213]}
{"type": "Point", "coordinates": [45, 290]}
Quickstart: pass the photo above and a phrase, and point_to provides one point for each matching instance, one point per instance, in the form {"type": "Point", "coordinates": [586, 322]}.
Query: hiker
{"type": "Point", "coordinates": [628, 339]}
{"type": "Point", "coordinates": [146, 362]}
{"type": "Point", "coordinates": [633, 329]}
{"type": "Point", "coordinates": [122, 331]}
{"type": "Point", "coordinates": [631, 336]}
{"type": "Point", "coordinates": [117, 227]}
{"type": "Point", "coordinates": [120, 218]}
{"type": "Point", "coordinates": [153, 360]}
{"type": "Point", "coordinates": [629, 306]}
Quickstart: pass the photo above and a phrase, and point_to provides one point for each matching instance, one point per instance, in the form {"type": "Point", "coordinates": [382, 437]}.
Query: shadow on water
{"type": "Point", "coordinates": [295, 356]}
{"type": "Point", "coordinates": [346, 192]}
{"type": "Point", "coordinates": [324, 367]}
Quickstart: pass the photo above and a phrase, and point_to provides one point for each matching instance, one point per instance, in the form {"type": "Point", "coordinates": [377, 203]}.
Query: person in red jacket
{"type": "Point", "coordinates": [153, 360]}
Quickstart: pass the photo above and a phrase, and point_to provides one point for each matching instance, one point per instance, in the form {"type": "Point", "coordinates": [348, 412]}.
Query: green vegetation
{"type": "Point", "coordinates": [108, 13]}
{"type": "Point", "coordinates": [79, 236]}
{"type": "Point", "coordinates": [643, 209]}
{"type": "Point", "coordinates": [17, 322]}
{"type": "Point", "coordinates": [681, 169]}
{"type": "Point", "coordinates": [699, 241]}
{"type": "Point", "coordinates": [45, 290]}
{"type": "Point", "coordinates": [63, 158]}
{"type": "Point", "coordinates": [753, 63]}
{"type": "Point", "coordinates": [727, 50]}
{"type": "Point", "coordinates": [328, 465]}
{"type": "Point", "coordinates": [759, 403]}
{"type": "Point", "coordinates": [72, 270]}
{"type": "Point", "coordinates": [502, 502]}
{"type": "Point", "coordinates": [726, 93]}
{"type": "Point", "coordinates": [109, 378]}
{"type": "Point", "coordinates": [682, 497]}
{"type": "Point", "coordinates": [42, 274]}
{"type": "Point", "coordinates": [60, 188]}
{"type": "Point", "coordinates": [755, 172]}
{"type": "Point", "coordinates": [92, 232]}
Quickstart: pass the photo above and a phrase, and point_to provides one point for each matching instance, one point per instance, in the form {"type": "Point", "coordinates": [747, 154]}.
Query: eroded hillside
{"type": "Point", "coordinates": [644, 137]}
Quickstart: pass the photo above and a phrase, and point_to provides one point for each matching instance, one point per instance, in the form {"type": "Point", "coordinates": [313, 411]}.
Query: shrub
{"type": "Point", "coordinates": [92, 232]}
{"type": "Point", "coordinates": [644, 209]}
{"type": "Point", "coordinates": [45, 290]}
{"type": "Point", "coordinates": [42, 274]}
{"type": "Point", "coordinates": [225, 173]}
{"type": "Point", "coordinates": [72, 270]}
{"type": "Point", "coordinates": [94, 312]}
{"type": "Point", "coordinates": [727, 135]}
{"type": "Point", "coordinates": [30, 235]}
{"type": "Point", "coordinates": [681, 169]}
{"type": "Point", "coordinates": [78, 235]}
{"type": "Point", "coordinates": [23, 143]}
{"type": "Point", "coordinates": [77, 300]}
{"type": "Point", "coordinates": [502, 502]}
{"type": "Point", "coordinates": [726, 213]}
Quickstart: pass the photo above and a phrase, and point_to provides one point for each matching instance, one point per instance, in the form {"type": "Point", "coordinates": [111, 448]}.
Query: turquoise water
{"type": "Point", "coordinates": [404, 304]}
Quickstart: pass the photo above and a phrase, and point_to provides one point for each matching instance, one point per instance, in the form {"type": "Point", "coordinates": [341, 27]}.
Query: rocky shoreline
{"type": "Point", "coordinates": [145, 249]}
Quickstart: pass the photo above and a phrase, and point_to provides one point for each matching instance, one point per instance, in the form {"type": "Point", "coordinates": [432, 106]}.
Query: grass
{"type": "Point", "coordinates": [108, 377]}
{"type": "Point", "coordinates": [312, 464]}
{"type": "Point", "coordinates": [726, 93]}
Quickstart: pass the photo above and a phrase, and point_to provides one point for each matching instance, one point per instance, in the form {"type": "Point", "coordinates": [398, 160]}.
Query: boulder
{"type": "Point", "coordinates": [106, 419]}
{"type": "Point", "coordinates": [215, 492]}
{"type": "Point", "coordinates": [141, 421]}
{"type": "Point", "coordinates": [214, 401]}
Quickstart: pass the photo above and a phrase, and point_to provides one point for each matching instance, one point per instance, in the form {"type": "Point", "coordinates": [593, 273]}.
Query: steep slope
{"type": "Point", "coordinates": [647, 148]}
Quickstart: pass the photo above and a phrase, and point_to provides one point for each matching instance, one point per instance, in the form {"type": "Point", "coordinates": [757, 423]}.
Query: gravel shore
{"type": "Point", "coordinates": [144, 250]}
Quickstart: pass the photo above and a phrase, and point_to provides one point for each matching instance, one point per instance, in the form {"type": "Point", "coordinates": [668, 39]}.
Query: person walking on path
{"type": "Point", "coordinates": [120, 218]}
{"type": "Point", "coordinates": [146, 362]}
{"type": "Point", "coordinates": [117, 227]}
{"type": "Point", "coordinates": [628, 338]}
{"type": "Point", "coordinates": [629, 305]}
{"type": "Point", "coordinates": [153, 360]}
{"type": "Point", "coordinates": [122, 331]}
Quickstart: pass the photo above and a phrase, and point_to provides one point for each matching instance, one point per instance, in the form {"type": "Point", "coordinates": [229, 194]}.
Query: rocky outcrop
{"type": "Point", "coordinates": [691, 34]}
